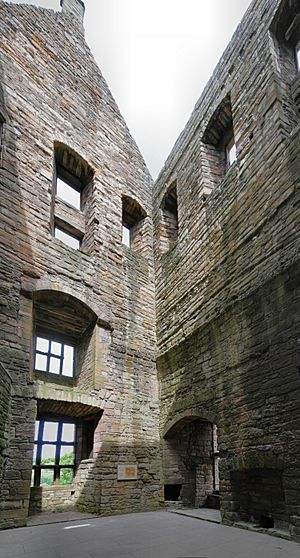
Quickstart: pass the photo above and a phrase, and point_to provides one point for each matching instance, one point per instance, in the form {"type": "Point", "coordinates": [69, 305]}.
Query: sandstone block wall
{"type": "Point", "coordinates": [228, 291]}
{"type": "Point", "coordinates": [53, 95]}
{"type": "Point", "coordinates": [5, 390]}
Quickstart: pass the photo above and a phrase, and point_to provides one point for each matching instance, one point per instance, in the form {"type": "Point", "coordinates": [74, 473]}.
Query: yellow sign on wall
{"type": "Point", "coordinates": [127, 472]}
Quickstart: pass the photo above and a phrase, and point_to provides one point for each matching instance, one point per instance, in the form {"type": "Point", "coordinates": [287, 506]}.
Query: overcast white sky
{"type": "Point", "coordinates": [157, 56]}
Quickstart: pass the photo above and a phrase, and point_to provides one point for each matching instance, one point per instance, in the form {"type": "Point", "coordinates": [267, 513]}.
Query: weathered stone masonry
{"type": "Point", "coordinates": [58, 111]}
{"type": "Point", "coordinates": [226, 253]}
{"type": "Point", "coordinates": [228, 290]}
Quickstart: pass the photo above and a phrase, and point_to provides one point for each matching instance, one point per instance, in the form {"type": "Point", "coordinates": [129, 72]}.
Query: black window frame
{"type": "Point", "coordinates": [39, 442]}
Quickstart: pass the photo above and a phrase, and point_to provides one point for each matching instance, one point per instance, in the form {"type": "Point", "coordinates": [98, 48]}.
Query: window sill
{"type": "Point", "coordinates": [48, 377]}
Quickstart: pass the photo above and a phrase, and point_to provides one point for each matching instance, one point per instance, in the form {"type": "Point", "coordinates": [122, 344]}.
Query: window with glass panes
{"type": "Point", "coordinates": [54, 357]}
{"type": "Point", "coordinates": [54, 452]}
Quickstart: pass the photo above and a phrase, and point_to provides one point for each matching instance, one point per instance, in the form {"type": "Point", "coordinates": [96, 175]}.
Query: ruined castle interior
{"type": "Point", "coordinates": [150, 333]}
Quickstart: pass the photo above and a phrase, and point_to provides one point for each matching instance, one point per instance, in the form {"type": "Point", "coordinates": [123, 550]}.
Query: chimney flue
{"type": "Point", "coordinates": [75, 9]}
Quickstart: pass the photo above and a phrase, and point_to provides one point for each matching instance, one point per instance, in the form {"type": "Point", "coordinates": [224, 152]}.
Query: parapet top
{"type": "Point", "coordinates": [74, 8]}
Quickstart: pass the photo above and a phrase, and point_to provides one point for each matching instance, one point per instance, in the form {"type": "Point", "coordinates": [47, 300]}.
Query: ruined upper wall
{"type": "Point", "coordinates": [231, 237]}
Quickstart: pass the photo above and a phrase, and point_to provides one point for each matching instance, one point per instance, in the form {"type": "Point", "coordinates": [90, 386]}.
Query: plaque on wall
{"type": "Point", "coordinates": [127, 472]}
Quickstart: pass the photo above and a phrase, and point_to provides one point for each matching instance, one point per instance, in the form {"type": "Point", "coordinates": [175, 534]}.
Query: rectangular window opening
{"type": "Point", "coordinates": [67, 238]}
{"type": "Point", "coordinates": [54, 358]}
{"type": "Point", "coordinates": [68, 193]}
{"type": "Point", "coordinates": [54, 453]}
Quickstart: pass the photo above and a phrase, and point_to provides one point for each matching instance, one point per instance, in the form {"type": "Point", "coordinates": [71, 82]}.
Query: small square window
{"type": "Point", "coordinates": [50, 431]}
{"type": "Point", "coordinates": [54, 365]}
{"type": "Point", "coordinates": [41, 362]}
{"type": "Point", "coordinates": [42, 345]}
{"type": "Point", "coordinates": [68, 193]}
{"type": "Point", "coordinates": [67, 238]}
{"type": "Point", "coordinates": [48, 454]}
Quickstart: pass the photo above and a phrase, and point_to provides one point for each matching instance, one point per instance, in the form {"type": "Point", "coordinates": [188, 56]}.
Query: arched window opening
{"type": "Point", "coordinates": [219, 141]}
{"type": "Point", "coordinates": [285, 29]}
{"type": "Point", "coordinates": [64, 338]}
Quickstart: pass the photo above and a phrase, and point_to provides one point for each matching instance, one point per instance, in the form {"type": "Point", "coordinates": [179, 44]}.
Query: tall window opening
{"type": "Point", "coordinates": [72, 192]}
{"type": "Point", "coordinates": [169, 219]}
{"type": "Point", "coordinates": [286, 32]}
{"type": "Point", "coordinates": [54, 452]}
{"type": "Point", "coordinates": [133, 225]}
{"type": "Point", "coordinates": [219, 141]}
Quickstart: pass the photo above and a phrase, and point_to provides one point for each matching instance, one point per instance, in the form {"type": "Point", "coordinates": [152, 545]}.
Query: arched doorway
{"type": "Point", "coordinates": [190, 463]}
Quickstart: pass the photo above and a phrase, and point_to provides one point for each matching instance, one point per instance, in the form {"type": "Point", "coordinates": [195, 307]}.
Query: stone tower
{"type": "Point", "coordinates": [78, 375]}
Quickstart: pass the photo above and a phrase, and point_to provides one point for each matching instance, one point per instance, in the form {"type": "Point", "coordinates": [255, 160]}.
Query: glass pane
{"type": "Point", "coordinates": [66, 455]}
{"type": "Point", "coordinates": [126, 236]}
{"type": "Point", "coordinates": [47, 476]}
{"type": "Point", "coordinates": [40, 362]}
{"type": "Point", "coordinates": [55, 348]}
{"type": "Point", "coordinates": [36, 429]}
{"type": "Point", "coordinates": [66, 476]}
{"type": "Point", "coordinates": [68, 432]}
{"type": "Point", "coordinates": [34, 454]}
{"type": "Point", "coordinates": [50, 431]}
{"type": "Point", "coordinates": [68, 361]}
{"type": "Point", "coordinates": [48, 454]}
{"type": "Point", "coordinates": [42, 344]}
{"type": "Point", "coordinates": [68, 194]}
{"type": "Point", "coordinates": [68, 239]}
{"type": "Point", "coordinates": [32, 478]}
{"type": "Point", "coordinates": [54, 365]}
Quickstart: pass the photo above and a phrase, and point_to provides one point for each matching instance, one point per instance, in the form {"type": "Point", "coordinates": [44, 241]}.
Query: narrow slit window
{"type": "Point", "coordinates": [231, 154]}
{"type": "Point", "coordinates": [297, 52]}
{"type": "Point", "coordinates": [67, 238]}
{"type": "Point", "coordinates": [126, 236]}
{"type": "Point", "coordinates": [68, 193]}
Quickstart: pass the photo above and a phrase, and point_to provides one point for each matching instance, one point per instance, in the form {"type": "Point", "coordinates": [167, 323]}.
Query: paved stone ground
{"type": "Point", "coordinates": [145, 535]}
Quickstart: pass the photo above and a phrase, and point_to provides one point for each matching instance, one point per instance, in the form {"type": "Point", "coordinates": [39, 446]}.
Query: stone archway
{"type": "Point", "coordinates": [190, 462]}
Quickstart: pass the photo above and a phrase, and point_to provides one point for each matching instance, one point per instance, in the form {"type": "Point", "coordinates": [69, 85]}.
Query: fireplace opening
{"type": "Point", "coordinates": [258, 497]}
{"type": "Point", "coordinates": [172, 492]}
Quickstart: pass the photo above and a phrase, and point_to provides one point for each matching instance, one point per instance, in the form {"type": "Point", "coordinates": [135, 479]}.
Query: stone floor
{"type": "Point", "coordinates": [145, 535]}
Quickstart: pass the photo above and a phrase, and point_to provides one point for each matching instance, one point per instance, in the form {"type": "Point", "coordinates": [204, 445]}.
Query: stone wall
{"type": "Point", "coordinates": [228, 291]}
{"type": "Point", "coordinates": [53, 95]}
{"type": "Point", "coordinates": [5, 391]}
